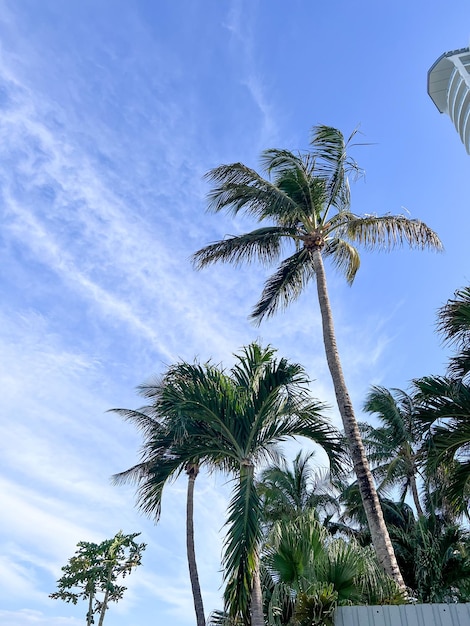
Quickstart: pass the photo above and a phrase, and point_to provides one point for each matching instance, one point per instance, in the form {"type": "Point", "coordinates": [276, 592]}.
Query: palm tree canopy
{"type": "Point", "coordinates": [454, 324]}
{"type": "Point", "coordinates": [444, 409]}
{"type": "Point", "coordinates": [393, 447]}
{"type": "Point", "coordinates": [310, 567]}
{"type": "Point", "coordinates": [435, 559]}
{"type": "Point", "coordinates": [287, 492]}
{"type": "Point", "coordinates": [229, 420]}
{"type": "Point", "coordinates": [306, 198]}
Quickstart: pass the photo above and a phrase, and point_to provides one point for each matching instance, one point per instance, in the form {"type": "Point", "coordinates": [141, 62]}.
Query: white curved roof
{"type": "Point", "coordinates": [449, 89]}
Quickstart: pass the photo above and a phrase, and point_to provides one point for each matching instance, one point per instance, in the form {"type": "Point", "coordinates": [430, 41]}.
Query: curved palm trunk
{"type": "Point", "coordinates": [192, 471]}
{"type": "Point", "coordinates": [380, 537]}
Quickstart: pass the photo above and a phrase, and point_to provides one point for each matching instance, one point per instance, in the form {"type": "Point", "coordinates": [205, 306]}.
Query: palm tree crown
{"type": "Point", "coordinates": [287, 492]}
{"type": "Point", "coordinates": [454, 324]}
{"type": "Point", "coordinates": [393, 447]}
{"type": "Point", "coordinates": [444, 408]}
{"type": "Point", "coordinates": [307, 200]}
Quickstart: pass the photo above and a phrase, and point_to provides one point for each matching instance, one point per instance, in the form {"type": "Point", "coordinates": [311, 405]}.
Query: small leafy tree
{"type": "Point", "coordinates": [92, 573]}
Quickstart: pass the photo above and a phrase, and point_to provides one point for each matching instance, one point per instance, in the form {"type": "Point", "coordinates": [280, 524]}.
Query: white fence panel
{"type": "Point", "coordinates": [404, 615]}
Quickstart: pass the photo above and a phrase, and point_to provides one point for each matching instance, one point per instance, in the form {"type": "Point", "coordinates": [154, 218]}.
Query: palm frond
{"type": "Point", "coordinates": [444, 409]}
{"type": "Point", "coordinates": [454, 324]}
{"type": "Point", "coordinates": [458, 488]}
{"type": "Point", "coordinates": [394, 408]}
{"type": "Point", "coordinates": [280, 163]}
{"type": "Point", "coordinates": [459, 365]}
{"type": "Point", "coordinates": [344, 257]}
{"type": "Point", "coordinates": [333, 162]}
{"type": "Point", "coordinates": [286, 492]}
{"type": "Point", "coordinates": [295, 176]}
{"type": "Point", "coordinates": [262, 244]}
{"type": "Point", "coordinates": [222, 618]}
{"type": "Point", "coordinates": [241, 544]}
{"type": "Point", "coordinates": [252, 363]}
{"type": "Point", "coordinates": [454, 318]}
{"type": "Point", "coordinates": [389, 231]}
{"type": "Point", "coordinates": [439, 397]}
{"type": "Point", "coordinates": [133, 475]}
{"type": "Point", "coordinates": [285, 285]}
{"type": "Point", "coordinates": [141, 418]}
{"type": "Point", "coordinates": [151, 477]}
{"type": "Point", "coordinates": [239, 187]}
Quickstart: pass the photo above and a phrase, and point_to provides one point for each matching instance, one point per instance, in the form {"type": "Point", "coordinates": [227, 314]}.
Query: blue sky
{"type": "Point", "coordinates": [111, 112]}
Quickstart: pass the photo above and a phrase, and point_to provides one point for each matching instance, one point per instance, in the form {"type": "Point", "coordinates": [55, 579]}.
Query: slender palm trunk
{"type": "Point", "coordinates": [247, 472]}
{"type": "Point", "coordinates": [379, 533]}
{"type": "Point", "coordinates": [414, 493]}
{"type": "Point", "coordinates": [192, 471]}
{"type": "Point", "coordinates": [257, 616]}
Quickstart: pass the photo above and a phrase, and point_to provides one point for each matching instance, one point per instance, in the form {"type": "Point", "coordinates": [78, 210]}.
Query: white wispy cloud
{"type": "Point", "coordinates": [25, 617]}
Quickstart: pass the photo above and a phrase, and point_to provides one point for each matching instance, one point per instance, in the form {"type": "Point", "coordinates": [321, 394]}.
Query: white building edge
{"type": "Point", "coordinates": [449, 88]}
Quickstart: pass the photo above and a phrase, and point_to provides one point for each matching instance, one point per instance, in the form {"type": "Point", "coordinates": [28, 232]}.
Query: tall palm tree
{"type": "Point", "coordinates": [307, 201]}
{"type": "Point", "coordinates": [159, 465]}
{"type": "Point", "coordinates": [192, 470]}
{"type": "Point", "coordinates": [232, 421]}
{"type": "Point", "coordinates": [393, 447]}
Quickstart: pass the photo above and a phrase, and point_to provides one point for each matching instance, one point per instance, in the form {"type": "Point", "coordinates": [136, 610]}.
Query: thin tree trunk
{"type": "Point", "coordinates": [89, 615]}
{"type": "Point", "coordinates": [256, 600]}
{"type": "Point", "coordinates": [257, 616]}
{"type": "Point", "coordinates": [414, 492]}
{"type": "Point", "coordinates": [106, 596]}
{"type": "Point", "coordinates": [192, 471]}
{"type": "Point", "coordinates": [378, 529]}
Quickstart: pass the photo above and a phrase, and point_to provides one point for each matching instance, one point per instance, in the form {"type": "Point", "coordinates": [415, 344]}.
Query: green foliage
{"type": "Point", "coordinates": [286, 493]}
{"type": "Point", "coordinates": [435, 560]}
{"type": "Point", "coordinates": [308, 574]}
{"type": "Point", "coordinates": [393, 448]}
{"type": "Point", "coordinates": [95, 569]}
{"type": "Point", "coordinates": [315, 608]}
{"type": "Point", "coordinates": [306, 199]}
{"type": "Point", "coordinates": [454, 324]}
{"type": "Point", "coordinates": [231, 421]}
{"type": "Point", "coordinates": [444, 408]}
